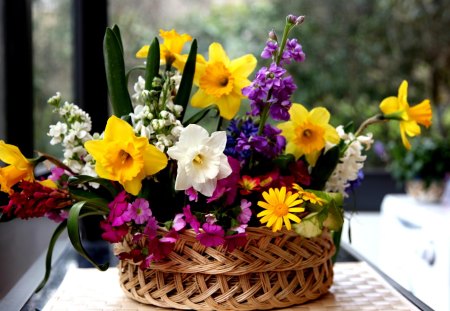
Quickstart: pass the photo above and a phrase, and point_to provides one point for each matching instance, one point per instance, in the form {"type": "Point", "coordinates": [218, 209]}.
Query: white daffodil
{"type": "Point", "coordinates": [200, 157]}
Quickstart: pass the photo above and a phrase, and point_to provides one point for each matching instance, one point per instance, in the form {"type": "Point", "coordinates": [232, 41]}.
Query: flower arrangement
{"type": "Point", "coordinates": [162, 166]}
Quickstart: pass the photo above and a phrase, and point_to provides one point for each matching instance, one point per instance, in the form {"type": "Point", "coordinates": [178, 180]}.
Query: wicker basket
{"type": "Point", "coordinates": [274, 270]}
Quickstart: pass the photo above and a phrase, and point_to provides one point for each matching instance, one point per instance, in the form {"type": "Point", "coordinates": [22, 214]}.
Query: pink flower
{"type": "Point", "coordinates": [113, 234]}
{"type": "Point", "coordinates": [151, 229]}
{"type": "Point", "coordinates": [139, 211]}
{"type": "Point", "coordinates": [178, 222]}
{"type": "Point", "coordinates": [192, 194]}
{"type": "Point", "coordinates": [191, 219]}
{"type": "Point", "coordinates": [246, 212]}
{"type": "Point", "coordinates": [213, 235]}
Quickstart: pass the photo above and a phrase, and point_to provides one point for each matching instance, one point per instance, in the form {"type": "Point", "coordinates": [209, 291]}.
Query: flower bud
{"type": "Point", "coordinates": [55, 100]}
{"type": "Point", "coordinates": [295, 20]}
{"type": "Point", "coordinates": [273, 35]}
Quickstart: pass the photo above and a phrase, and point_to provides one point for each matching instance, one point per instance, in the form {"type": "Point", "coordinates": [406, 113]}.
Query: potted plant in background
{"type": "Point", "coordinates": [423, 170]}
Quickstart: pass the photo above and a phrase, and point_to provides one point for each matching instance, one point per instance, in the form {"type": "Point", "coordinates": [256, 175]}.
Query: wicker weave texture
{"type": "Point", "coordinates": [274, 270]}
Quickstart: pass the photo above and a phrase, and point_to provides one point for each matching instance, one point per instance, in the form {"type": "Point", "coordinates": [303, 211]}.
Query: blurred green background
{"type": "Point", "coordinates": [357, 52]}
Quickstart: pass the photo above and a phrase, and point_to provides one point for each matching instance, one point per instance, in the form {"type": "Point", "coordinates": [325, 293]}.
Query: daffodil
{"type": "Point", "coordinates": [279, 207]}
{"type": "Point", "coordinates": [19, 168]}
{"type": "Point", "coordinates": [307, 132]}
{"type": "Point", "coordinates": [220, 80]}
{"type": "Point", "coordinates": [410, 117]}
{"type": "Point", "coordinates": [123, 157]}
{"type": "Point", "coordinates": [170, 48]}
{"type": "Point", "coordinates": [200, 159]}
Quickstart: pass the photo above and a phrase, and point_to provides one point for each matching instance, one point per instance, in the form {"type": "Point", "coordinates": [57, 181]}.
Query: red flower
{"type": "Point", "coordinates": [35, 200]}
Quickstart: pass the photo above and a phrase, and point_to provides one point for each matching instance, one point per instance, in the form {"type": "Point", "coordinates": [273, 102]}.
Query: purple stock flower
{"type": "Point", "coordinates": [270, 49]}
{"type": "Point", "coordinates": [295, 50]}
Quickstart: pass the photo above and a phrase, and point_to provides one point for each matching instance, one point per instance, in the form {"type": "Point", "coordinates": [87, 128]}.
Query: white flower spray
{"type": "Point", "coordinates": [350, 163]}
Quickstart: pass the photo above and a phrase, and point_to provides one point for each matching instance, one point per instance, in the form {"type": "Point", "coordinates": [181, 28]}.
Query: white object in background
{"type": "Point", "coordinates": [414, 247]}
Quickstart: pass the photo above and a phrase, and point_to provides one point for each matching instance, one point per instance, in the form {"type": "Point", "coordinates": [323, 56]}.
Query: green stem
{"type": "Point", "coordinates": [373, 120]}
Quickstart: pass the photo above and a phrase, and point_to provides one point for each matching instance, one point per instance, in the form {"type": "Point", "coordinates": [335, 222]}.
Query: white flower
{"type": "Point", "coordinates": [200, 157]}
{"type": "Point", "coordinates": [350, 163]}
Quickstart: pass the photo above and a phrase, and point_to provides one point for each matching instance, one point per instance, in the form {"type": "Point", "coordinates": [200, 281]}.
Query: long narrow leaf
{"type": "Point", "coordinates": [184, 91]}
{"type": "Point", "coordinates": [74, 235]}
{"type": "Point", "coordinates": [115, 74]}
{"type": "Point", "coordinates": [48, 259]}
{"type": "Point", "coordinates": [153, 60]}
{"type": "Point", "coordinates": [116, 31]}
{"type": "Point", "coordinates": [82, 179]}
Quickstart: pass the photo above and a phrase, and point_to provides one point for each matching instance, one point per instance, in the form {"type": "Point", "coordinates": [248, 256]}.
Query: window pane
{"type": "Point", "coordinates": [52, 63]}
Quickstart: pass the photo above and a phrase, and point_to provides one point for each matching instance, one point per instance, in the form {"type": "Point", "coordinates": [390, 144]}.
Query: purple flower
{"type": "Point", "coordinates": [353, 184]}
{"type": "Point", "coordinates": [236, 240]}
{"type": "Point", "coordinates": [213, 235]}
{"type": "Point", "coordinates": [270, 49]}
{"type": "Point", "coordinates": [295, 50]}
{"type": "Point", "coordinates": [113, 234]}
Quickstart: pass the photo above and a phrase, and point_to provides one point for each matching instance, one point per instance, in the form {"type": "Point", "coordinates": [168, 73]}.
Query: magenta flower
{"type": "Point", "coordinates": [192, 194]}
{"type": "Point", "coordinates": [117, 208]}
{"type": "Point", "coordinates": [228, 186]}
{"type": "Point", "coordinates": [191, 219]}
{"type": "Point", "coordinates": [235, 241]}
{"type": "Point", "coordinates": [213, 235]}
{"type": "Point", "coordinates": [113, 234]}
{"type": "Point", "coordinates": [151, 229]}
{"type": "Point", "coordinates": [139, 211]}
{"type": "Point", "coordinates": [178, 222]}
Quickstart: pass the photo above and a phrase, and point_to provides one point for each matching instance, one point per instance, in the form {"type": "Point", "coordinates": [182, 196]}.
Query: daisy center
{"type": "Point", "coordinates": [280, 209]}
{"type": "Point", "coordinates": [217, 80]}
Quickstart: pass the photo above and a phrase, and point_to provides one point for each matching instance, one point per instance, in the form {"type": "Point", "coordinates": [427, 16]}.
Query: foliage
{"type": "Point", "coordinates": [429, 160]}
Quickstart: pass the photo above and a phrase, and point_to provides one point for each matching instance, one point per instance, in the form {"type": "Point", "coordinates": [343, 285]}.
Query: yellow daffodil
{"type": "Point", "coordinates": [279, 207]}
{"type": "Point", "coordinates": [170, 48]}
{"type": "Point", "coordinates": [221, 80]}
{"type": "Point", "coordinates": [410, 117]}
{"type": "Point", "coordinates": [307, 132]}
{"type": "Point", "coordinates": [19, 167]}
{"type": "Point", "coordinates": [124, 157]}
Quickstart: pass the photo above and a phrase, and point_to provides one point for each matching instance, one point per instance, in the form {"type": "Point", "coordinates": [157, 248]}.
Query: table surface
{"type": "Point", "coordinates": [357, 286]}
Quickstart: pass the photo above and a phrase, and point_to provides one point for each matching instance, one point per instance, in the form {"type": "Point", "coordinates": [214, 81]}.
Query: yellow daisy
{"type": "Point", "coordinates": [279, 207]}
{"type": "Point", "coordinates": [308, 196]}
{"type": "Point", "coordinates": [221, 80]}
{"type": "Point", "coordinates": [410, 117]}
{"type": "Point", "coordinates": [308, 131]}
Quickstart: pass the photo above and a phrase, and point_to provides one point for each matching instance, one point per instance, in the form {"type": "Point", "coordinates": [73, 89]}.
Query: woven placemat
{"type": "Point", "coordinates": [356, 287]}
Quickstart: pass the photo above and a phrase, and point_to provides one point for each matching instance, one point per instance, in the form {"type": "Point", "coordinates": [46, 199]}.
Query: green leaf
{"type": "Point", "coordinates": [92, 199]}
{"type": "Point", "coordinates": [153, 61]}
{"type": "Point", "coordinates": [335, 218]}
{"type": "Point", "coordinates": [115, 74]}
{"type": "Point", "coordinates": [184, 91]}
{"type": "Point", "coordinates": [310, 226]}
{"type": "Point", "coordinates": [324, 167]}
{"type": "Point", "coordinates": [48, 259]}
{"type": "Point", "coordinates": [116, 31]}
{"type": "Point", "coordinates": [74, 234]}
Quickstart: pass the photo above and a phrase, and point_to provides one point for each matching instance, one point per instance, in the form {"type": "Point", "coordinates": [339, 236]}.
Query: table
{"type": "Point", "coordinates": [357, 286]}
